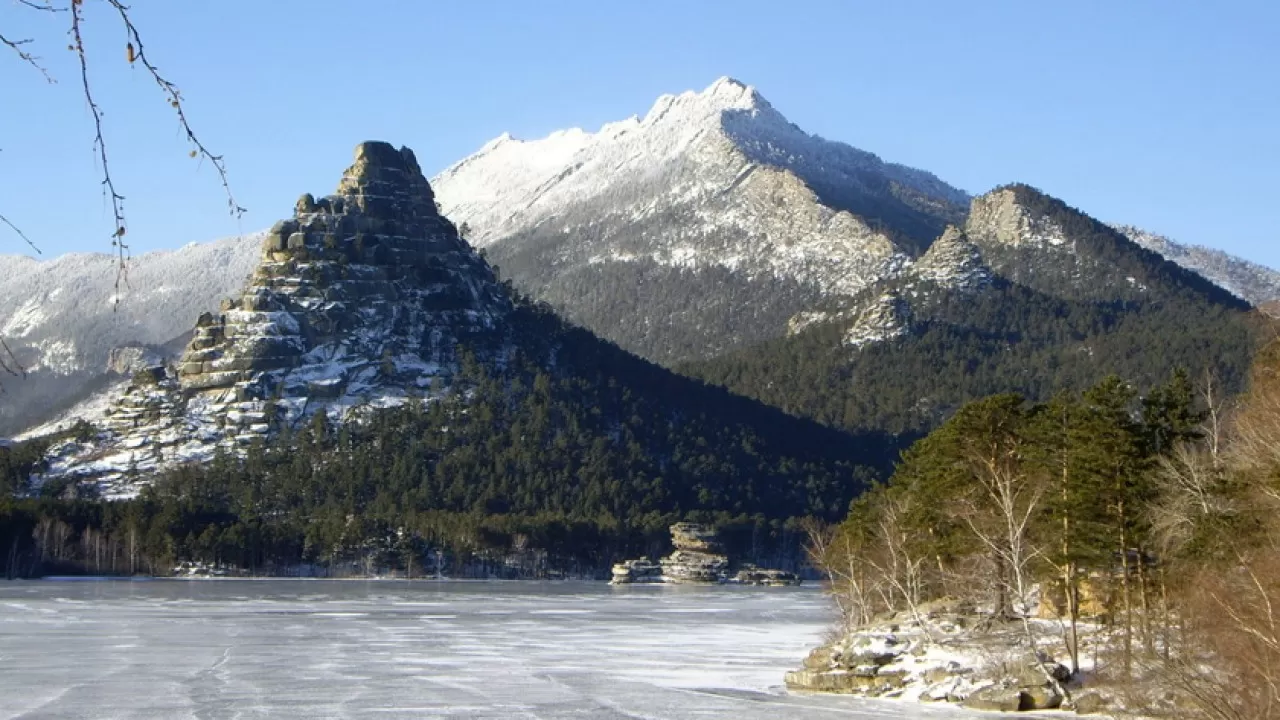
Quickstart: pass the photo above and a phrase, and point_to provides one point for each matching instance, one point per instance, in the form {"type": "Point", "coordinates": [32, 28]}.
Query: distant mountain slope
{"type": "Point", "coordinates": [63, 317]}
{"type": "Point", "coordinates": [1255, 283]}
{"type": "Point", "coordinates": [1040, 242]}
{"type": "Point", "coordinates": [1030, 296]}
{"type": "Point", "coordinates": [701, 227]}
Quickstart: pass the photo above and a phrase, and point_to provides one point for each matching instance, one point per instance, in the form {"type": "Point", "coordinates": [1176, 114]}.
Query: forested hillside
{"type": "Point", "coordinates": [1051, 300]}
{"type": "Point", "coordinates": [589, 456]}
{"type": "Point", "coordinates": [1005, 339]}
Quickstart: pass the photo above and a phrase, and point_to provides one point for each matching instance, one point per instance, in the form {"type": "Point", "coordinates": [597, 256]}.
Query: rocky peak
{"type": "Point", "coordinates": [360, 298]}
{"type": "Point", "coordinates": [953, 261]}
{"type": "Point", "coordinates": [385, 182]}
{"type": "Point", "coordinates": [1001, 218]}
{"type": "Point", "coordinates": [645, 223]}
{"type": "Point", "coordinates": [733, 93]}
{"type": "Point", "coordinates": [885, 317]}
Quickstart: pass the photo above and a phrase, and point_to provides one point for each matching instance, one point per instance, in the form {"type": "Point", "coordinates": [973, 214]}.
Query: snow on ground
{"type": "Point", "coordinates": [344, 649]}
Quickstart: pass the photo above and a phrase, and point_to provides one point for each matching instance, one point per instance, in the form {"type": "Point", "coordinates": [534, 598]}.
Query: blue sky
{"type": "Point", "coordinates": [1164, 114]}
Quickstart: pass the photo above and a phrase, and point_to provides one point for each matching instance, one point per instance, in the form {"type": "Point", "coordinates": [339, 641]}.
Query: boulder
{"type": "Point", "coordinates": [686, 566]}
{"type": "Point", "coordinates": [821, 658]}
{"type": "Point", "coordinates": [867, 658]}
{"type": "Point", "coordinates": [1042, 698]}
{"type": "Point", "coordinates": [641, 570]}
{"type": "Point", "coordinates": [998, 699]}
{"type": "Point", "coordinates": [752, 575]}
{"type": "Point", "coordinates": [829, 682]}
{"type": "Point", "coordinates": [1090, 704]}
{"type": "Point", "coordinates": [1032, 675]}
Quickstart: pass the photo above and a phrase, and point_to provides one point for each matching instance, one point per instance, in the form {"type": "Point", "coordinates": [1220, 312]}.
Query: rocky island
{"type": "Point", "coordinates": [698, 558]}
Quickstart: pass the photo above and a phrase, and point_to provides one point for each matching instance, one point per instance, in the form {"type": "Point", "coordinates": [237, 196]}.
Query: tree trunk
{"type": "Point", "coordinates": [1070, 584]}
{"type": "Point", "coordinates": [1145, 625]}
{"type": "Point", "coordinates": [1125, 599]}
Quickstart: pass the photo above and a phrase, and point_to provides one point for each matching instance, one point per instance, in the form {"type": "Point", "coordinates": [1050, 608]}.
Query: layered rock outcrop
{"type": "Point", "coordinates": [361, 298]}
{"type": "Point", "coordinates": [369, 282]}
{"type": "Point", "coordinates": [698, 558]}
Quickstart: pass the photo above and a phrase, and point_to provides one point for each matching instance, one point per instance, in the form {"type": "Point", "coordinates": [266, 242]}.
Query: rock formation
{"type": "Point", "coordinates": [641, 570]}
{"type": "Point", "coordinates": [698, 558]}
{"type": "Point", "coordinates": [361, 298]}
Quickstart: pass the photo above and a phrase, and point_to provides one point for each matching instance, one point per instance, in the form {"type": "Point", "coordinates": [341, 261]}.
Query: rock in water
{"type": "Point", "coordinates": [361, 298]}
{"type": "Point", "coordinates": [698, 558]}
{"type": "Point", "coordinates": [642, 570]}
{"type": "Point", "coordinates": [751, 575]}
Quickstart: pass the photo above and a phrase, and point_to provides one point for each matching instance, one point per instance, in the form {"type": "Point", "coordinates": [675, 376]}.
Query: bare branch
{"type": "Point", "coordinates": [21, 234]}
{"type": "Point", "coordinates": [9, 362]}
{"type": "Point", "coordinates": [100, 145]}
{"type": "Point", "coordinates": [45, 6]}
{"type": "Point", "coordinates": [32, 60]}
{"type": "Point", "coordinates": [135, 55]}
{"type": "Point", "coordinates": [174, 96]}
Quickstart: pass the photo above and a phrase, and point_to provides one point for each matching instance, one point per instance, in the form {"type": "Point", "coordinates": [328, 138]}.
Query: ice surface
{"type": "Point", "coordinates": [334, 649]}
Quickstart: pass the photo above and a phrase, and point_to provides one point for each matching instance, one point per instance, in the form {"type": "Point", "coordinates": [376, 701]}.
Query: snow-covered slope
{"type": "Point", "coordinates": [1254, 283]}
{"type": "Point", "coordinates": [63, 317]}
{"type": "Point", "coordinates": [66, 314]}
{"type": "Point", "coordinates": [703, 225]}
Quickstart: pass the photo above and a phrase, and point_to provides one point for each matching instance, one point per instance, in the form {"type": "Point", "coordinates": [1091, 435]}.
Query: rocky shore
{"type": "Point", "coordinates": [947, 652]}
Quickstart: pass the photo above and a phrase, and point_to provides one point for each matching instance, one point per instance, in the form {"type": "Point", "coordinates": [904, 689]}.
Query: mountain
{"type": "Point", "coordinates": [372, 346]}
{"type": "Point", "coordinates": [74, 330]}
{"type": "Point", "coordinates": [1255, 283]}
{"type": "Point", "coordinates": [1029, 296]}
{"type": "Point", "coordinates": [708, 226]}
{"type": "Point", "coordinates": [701, 227]}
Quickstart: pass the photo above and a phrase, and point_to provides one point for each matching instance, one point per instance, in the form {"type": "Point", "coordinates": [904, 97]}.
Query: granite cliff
{"type": "Point", "coordinates": [361, 299]}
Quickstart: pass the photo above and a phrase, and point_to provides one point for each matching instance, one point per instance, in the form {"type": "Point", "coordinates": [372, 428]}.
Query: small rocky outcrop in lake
{"type": "Point", "coordinates": [640, 570]}
{"type": "Point", "coordinates": [698, 558]}
{"type": "Point", "coordinates": [749, 574]}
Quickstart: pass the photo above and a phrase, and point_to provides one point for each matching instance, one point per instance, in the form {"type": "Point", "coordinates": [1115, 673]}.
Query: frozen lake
{"type": "Point", "coordinates": [350, 649]}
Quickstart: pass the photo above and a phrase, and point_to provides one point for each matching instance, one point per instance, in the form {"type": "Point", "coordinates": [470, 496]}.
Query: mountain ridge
{"type": "Point", "coordinates": [682, 255]}
{"type": "Point", "coordinates": [1037, 298]}
{"type": "Point", "coordinates": [1251, 281]}
{"type": "Point", "coordinates": [708, 190]}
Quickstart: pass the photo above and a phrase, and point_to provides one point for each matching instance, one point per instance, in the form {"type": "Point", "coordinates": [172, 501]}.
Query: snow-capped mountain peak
{"type": "Point", "coordinates": [709, 183]}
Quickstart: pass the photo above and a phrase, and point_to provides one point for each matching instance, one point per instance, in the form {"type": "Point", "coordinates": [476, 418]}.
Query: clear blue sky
{"type": "Point", "coordinates": [1161, 113]}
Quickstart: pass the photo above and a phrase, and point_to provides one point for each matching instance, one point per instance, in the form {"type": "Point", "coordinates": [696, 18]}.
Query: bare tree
{"type": "Point", "coordinates": [999, 512]}
{"type": "Point", "coordinates": [840, 554]}
{"type": "Point", "coordinates": [902, 570]}
{"type": "Point", "coordinates": [69, 16]}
